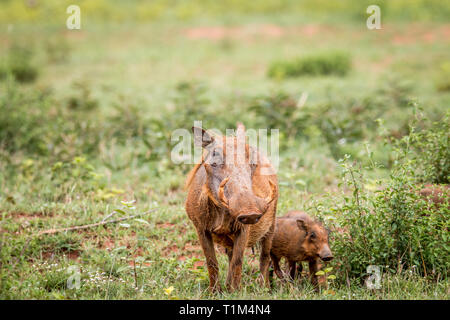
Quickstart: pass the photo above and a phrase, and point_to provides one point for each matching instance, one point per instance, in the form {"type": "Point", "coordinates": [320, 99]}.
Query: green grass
{"type": "Point", "coordinates": [91, 131]}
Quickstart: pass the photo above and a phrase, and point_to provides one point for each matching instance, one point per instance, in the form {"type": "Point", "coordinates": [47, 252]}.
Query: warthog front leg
{"type": "Point", "coordinates": [237, 257]}
{"type": "Point", "coordinates": [211, 261]}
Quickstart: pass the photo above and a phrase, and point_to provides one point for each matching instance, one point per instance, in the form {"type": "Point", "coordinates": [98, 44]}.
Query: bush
{"type": "Point", "coordinates": [397, 90]}
{"type": "Point", "coordinates": [443, 78]}
{"type": "Point", "coordinates": [280, 111]}
{"type": "Point", "coordinates": [333, 63]}
{"type": "Point", "coordinates": [57, 50]}
{"type": "Point", "coordinates": [3, 72]}
{"type": "Point", "coordinates": [82, 101]}
{"type": "Point", "coordinates": [20, 65]}
{"type": "Point", "coordinates": [429, 151]}
{"type": "Point", "coordinates": [343, 124]}
{"type": "Point", "coordinates": [395, 227]}
{"type": "Point", "coordinates": [33, 122]}
{"type": "Point", "coordinates": [23, 121]}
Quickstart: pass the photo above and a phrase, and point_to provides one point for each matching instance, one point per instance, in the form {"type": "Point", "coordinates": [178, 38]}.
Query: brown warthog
{"type": "Point", "coordinates": [232, 199]}
{"type": "Point", "coordinates": [300, 238]}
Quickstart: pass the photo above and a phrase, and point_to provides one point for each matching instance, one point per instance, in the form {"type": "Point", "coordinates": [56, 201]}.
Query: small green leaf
{"type": "Point", "coordinates": [142, 221]}
{"type": "Point", "coordinates": [320, 273]}
{"type": "Point", "coordinates": [120, 211]}
{"type": "Point", "coordinates": [127, 203]}
{"type": "Point", "coordinates": [327, 270]}
{"type": "Point", "coordinates": [331, 277]}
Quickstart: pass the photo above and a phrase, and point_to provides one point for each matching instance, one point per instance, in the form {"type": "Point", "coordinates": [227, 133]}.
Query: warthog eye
{"type": "Point", "coordinates": [216, 159]}
{"type": "Point", "coordinates": [313, 236]}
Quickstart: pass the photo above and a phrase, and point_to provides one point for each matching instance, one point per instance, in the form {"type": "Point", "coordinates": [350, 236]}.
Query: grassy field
{"type": "Point", "coordinates": [86, 130]}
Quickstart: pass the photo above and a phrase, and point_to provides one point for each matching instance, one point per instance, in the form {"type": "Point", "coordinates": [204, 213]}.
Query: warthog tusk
{"type": "Point", "coordinates": [223, 199]}
{"type": "Point", "coordinates": [271, 197]}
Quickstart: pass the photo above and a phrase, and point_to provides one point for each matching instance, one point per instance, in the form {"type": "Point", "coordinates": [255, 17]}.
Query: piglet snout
{"type": "Point", "coordinates": [325, 254]}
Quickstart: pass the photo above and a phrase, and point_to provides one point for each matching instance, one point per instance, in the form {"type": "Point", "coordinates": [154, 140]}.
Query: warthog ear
{"type": "Point", "coordinates": [201, 137]}
{"type": "Point", "coordinates": [302, 225]}
{"type": "Point", "coordinates": [240, 129]}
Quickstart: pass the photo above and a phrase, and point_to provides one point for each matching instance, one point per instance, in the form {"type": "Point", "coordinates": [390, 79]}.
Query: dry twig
{"type": "Point", "coordinates": [86, 226]}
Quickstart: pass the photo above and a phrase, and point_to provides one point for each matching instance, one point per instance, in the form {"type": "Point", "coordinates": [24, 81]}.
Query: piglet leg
{"type": "Point", "coordinates": [317, 281]}
{"type": "Point", "coordinates": [292, 269]}
{"type": "Point", "coordinates": [276, 266]}
{"type": "Point", "coordinates": [266, 245]}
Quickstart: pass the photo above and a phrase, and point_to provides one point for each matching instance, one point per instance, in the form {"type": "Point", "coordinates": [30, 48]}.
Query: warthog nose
{"type": "Point", "coordinates": [250, 218]}
{"type": "Point", "coordinates": [327, 258]}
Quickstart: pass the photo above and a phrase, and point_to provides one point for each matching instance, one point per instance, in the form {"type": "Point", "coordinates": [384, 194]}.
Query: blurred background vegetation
{"type": "Point", "coordinates": [86, 118]}
{"type": "Point", "coordinates": [145, 11]}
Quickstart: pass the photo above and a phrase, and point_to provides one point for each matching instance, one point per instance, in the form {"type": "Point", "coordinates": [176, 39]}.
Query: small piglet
{"type": "Point", "coordinates": [300, 238]}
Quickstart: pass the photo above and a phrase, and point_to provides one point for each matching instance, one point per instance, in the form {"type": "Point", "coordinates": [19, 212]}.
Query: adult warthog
{"type": "Point", "coordinates": [232, 200]}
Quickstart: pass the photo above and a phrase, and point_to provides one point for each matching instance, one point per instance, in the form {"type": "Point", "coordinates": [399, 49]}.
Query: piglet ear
{"type": "Point", "coordinates": [302, 225]}
{"type": "Point", "coordinates": [201, 137]}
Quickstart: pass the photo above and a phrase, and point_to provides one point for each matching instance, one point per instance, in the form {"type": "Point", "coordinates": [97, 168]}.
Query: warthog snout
{"type": "Point", "coordinates": [245, 207]}
{"type": "Point", "coordinates": [249, 218]}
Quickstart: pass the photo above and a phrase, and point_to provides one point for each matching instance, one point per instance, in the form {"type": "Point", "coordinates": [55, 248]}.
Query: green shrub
{"type": "Point", "coordinates": [20, 64]}
{"type": "Point", "coordinates": [190, 103]}
{"type": "Point", "coordinates": [24, 125]}
{"type": "Point", "coordinates": [332, 63]}
{"type": "Point", "coordinates": [429, 151]}
{"type": "Point", "coordinates": [3, 71]}
{"type": "Point", "coordinates": [397, 90]}
{"type": "Point", "coordinates": [57, 50]}
{"type": "Point", "coordinates": [33, 122]}
{"type": "Point", "coordinates": [343, 124]}
{"type": "Point", "coordinates": [24, 73]}
{"type": "Point", "coordinates": [82, 100]}
{"type": "Point", "coordinates": [280, 111]}
{"type": "Point", "coordinates": [394, 227]}
{"type": "Point", "coordinates": [443, 78]}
